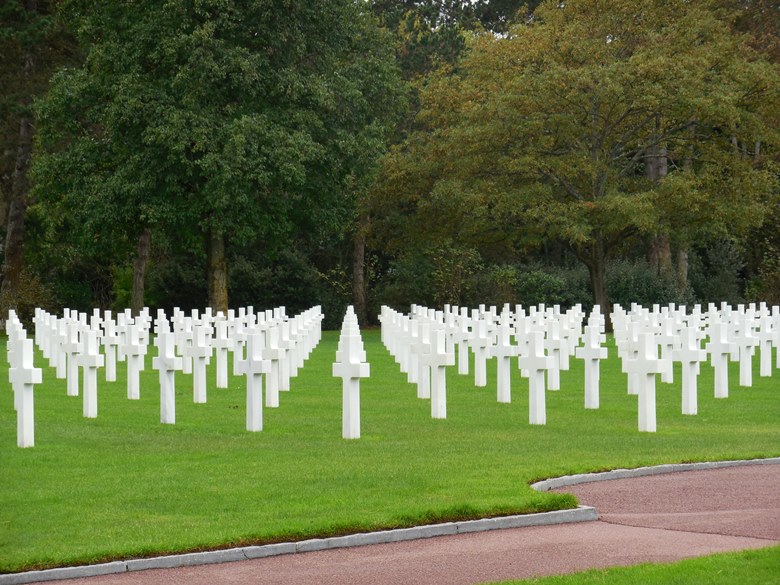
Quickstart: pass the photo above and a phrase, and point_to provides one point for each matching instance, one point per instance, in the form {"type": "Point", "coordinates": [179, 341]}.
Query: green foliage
{"type": "Point", "coordinates": [636, 282]}
{"type": "Point", "coordinates": [453, 267]}
{"type": "Point", "coordinates": [177, 280]}
{"type": "Point", "coordinates": [496, 285]}
{"type": "Point", "coordinates": [551, 126]}
{"type": "Point", "coordinates": [408, 281]}
{"type": "Point", "coordinates": [251, 120]}
{"type": "Point", "coordinates": [31, 294]}
{"type": "Point", "coordinates": [766, 285]}
{"type": "Point", "coordinates": [551, 285]}
{"type": "Point", "coordinates": [715, 273]}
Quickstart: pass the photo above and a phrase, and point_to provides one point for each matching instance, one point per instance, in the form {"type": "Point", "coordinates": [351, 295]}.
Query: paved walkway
{"type": "Point", "coordinates": [660, 518]}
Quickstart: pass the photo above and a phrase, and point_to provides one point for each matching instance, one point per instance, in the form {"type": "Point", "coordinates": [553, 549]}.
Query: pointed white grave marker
{"type": "Point", "coordinates": [350, 369]}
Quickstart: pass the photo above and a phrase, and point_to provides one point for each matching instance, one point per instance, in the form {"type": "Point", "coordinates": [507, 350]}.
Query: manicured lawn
{"type": "Point", "coordinates": [123, 485]}
{"type": "Point", "coordinates": [751, 567]}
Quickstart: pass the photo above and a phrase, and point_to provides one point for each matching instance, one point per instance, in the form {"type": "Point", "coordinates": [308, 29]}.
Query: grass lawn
{"type": "Point", "coordinates": [124, 485]}
{"type": "Point", "coordinates": [751, 567]}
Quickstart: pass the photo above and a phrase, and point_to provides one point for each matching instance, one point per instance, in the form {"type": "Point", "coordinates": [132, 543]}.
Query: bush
{"type": "Point", "coordinates": [766, 286]}
{"type": "Point", "coordinates": [714, 273]}
{"type": "Point", "coordinates": [30, 294]}
{"type": "Point", "coordinates": [636, 282]}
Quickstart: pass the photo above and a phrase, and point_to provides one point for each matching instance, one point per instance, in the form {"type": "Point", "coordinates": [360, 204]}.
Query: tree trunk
{"type": "Point", "coordinates": [596, 261]}
{"type": "Point", "coordinates": [14, 241]}
{"type": "Point", "coordinates": [682, 269]}
{"type": "Point", "coordinates": [359, 270]}
{"type": "Point", "coordinates": [659, 255]}
{"type": "Point", "coordinates": [664, 246]}
{"type": "Point", "coordinates": [139, 271]}
{"type": "Point", "coordinates": [217, 273]}
{"type": "Point", "coordinates": [656, 169]}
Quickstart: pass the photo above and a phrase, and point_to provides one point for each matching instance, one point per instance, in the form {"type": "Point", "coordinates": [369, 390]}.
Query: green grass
{"type": "Point", "coordinates": [123, 485]}
{"type": "Point", "coordinates": [751, 567]}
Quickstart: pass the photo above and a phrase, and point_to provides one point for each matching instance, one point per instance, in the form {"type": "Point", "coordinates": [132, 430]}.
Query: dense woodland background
{"type": "Point", "coordinates": [301, 152]}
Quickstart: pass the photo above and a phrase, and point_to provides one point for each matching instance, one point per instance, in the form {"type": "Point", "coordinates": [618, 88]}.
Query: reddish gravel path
{"type": "Point", "coordinates": [660, 518]}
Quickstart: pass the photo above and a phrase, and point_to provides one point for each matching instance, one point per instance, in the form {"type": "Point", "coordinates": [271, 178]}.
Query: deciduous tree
{"type": "Point", "coordinates": [553, 125]}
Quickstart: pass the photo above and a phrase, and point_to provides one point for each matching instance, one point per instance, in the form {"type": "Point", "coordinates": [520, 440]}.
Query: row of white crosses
{"type": "Point", "coordinates": [23, 375]}
{"type": "Point", "coordinates": [544, 341]}
{"type": "Point", "coordinates": [275, 351]}
{"type": "Point", "coordinates": [423, 347]}
{"type": "Point", "coordinates": [350, 366]}
{"type": "Point", "coordinates": [733, 334]}
{"type": "Point", "coordinates": [72, 343]}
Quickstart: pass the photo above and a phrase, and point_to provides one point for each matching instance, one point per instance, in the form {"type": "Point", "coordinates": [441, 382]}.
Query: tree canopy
{"type": "Point", "coordinates": [548, 131]}
{"type": "Point", "coordinates": [231, 120]}
{"type": "Point", "coordinates": [421, 151]}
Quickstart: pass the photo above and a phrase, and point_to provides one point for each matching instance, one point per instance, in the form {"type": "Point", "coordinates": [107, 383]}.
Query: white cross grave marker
{"type": "Point", "coordinates": [536, 363]}
{"type": "Point", "coordinates": [645, 366]}
{"type": "Point", "coordinates": [274, 353]}
{"type": "Point", "coordinates": [765, 336]}
{"type": "Point", "coordinates": [690, 355]}
{"type": "Point", "coordinates": [166, 363]}
{"type": "Point", "coordinates": [480, 342]}
{"type": "Point", "coordinates": [23, 377]}
{"type": "Point", "coordinates": [437, 360]}
{"type": "Point", "coordinates": [592, 353]}
{"type": "Point", "coordinates": [746, 343]}
{"type": "Point", "coordinates": [222, 344]}
{"type": "Point", "coordinates": [73, 348]}
{"type": "Point", "coordinates": [134, 352]}
{"type": "Point", "coordinates": [253, 367]}
{"type": "Point", "coordinates": [90, 360]}
{"type": "Point", "coordinates": [199, 352]}
{"type": "Point", "coordinates": [110, 342]}
{"type": "Point", "coordinates": [719, 349]}
{"type": "Point", "coordinates": [504, 351]}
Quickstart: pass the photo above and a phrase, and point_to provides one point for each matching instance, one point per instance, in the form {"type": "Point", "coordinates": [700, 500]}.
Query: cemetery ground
{"type": "Point", "coordinates": [123, 485]}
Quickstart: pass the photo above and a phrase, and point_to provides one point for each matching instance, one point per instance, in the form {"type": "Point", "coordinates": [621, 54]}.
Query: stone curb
{"type": "Point", "coordinates": [567, 480]}
{"type": "Point", "coordinates": [579, 514]}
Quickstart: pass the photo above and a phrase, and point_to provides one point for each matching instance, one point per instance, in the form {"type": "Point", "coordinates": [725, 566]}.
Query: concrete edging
{"type": "Point", "coordinates": [579, 514]}
{"type": "Point", "coordinates": [567, 480]}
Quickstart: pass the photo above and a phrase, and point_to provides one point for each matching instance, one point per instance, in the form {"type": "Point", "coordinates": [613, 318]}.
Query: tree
{"type": "Point", "coordinates": [32, 43]}
{"type": "Point", "coordinates": [213, 117]}
{"type": "Point", "coordinates": [552, 127]}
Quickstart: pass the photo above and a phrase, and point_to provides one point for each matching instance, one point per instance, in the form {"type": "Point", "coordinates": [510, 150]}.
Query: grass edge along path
{"type": "Point", "coordinates": [749, 567]}
{"type": "Point", "coordinates": [125, 486]}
